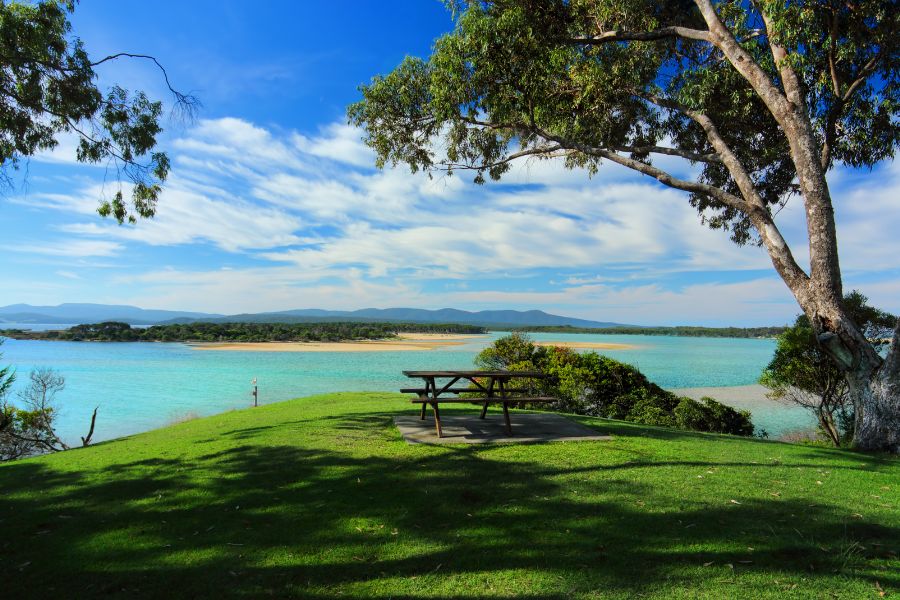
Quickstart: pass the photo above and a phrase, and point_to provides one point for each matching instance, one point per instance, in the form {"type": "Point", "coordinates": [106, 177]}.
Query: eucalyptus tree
{"type": "Point", "coordinates": [48, 88]}
{"type": "Point", "coordinates": [764, 96]}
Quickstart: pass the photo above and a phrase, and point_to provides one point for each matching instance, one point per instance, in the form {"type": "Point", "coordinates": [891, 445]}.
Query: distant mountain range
{"type": "Point", "coordinates": [92, 313]}
{"type": "Point", "coordinates": [95, 313]}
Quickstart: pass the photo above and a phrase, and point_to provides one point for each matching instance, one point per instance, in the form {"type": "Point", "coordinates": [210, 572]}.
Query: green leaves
{"type": "Point", "coordinates": [535, 75]}
{"type": "Point", "coordinates": [47, 87]}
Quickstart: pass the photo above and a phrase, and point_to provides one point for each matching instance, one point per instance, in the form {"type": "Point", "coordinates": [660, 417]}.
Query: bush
{"type": "Point", "coordinates": [710, 415]}
{"type": "Point", "coordinates": [595, 385]}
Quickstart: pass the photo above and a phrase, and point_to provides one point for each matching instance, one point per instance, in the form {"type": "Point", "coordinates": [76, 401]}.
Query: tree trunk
{"type": "Point", "coordinates": [876, 398]}
{"type": "Point", "coordinates": [826, 422]}
{"type": "Point", "coordinates": [873, 382]}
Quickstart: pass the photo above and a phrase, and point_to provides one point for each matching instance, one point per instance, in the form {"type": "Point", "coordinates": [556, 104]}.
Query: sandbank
{"type": "Point", "coordinates": [404, 342]}
{"type": "Point", "coordinates": [745, 397]}
{"type": "Point", "coordinates": [588, 345]}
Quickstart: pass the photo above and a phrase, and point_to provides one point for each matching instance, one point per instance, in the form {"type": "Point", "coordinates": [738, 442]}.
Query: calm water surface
{"type": "Point", "coordinates": [141, 386]}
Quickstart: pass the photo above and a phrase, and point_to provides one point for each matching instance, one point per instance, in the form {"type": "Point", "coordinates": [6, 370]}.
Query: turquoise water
{"type": "Point", "coordinates": [141, 386]}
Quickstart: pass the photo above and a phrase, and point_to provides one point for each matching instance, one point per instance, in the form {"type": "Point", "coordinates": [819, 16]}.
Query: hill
{"type": "Point", "coordinates": [320, 498]}
{"type": "Point", "coordinates": [484, 318]}
{"type": "Point", "coordinates": [73, 313]}
{"type": "Point", "coordinates": [97, 313]}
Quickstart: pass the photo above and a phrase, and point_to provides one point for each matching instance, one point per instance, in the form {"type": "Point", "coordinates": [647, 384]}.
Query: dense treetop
{"type": "Point", "coordinates": [48, 88]}
{"type": "Point", "coordinates": [238, 332]}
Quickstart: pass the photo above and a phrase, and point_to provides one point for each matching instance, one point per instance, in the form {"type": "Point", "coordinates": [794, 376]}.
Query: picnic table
{"type": "Point", "coordinates": [481, 387]}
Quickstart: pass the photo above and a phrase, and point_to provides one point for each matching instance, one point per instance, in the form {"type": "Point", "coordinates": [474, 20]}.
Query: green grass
{"type": "Point", "coordinates": [320, 497]}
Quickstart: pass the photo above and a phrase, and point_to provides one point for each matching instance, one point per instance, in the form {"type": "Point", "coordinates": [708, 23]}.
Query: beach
{"type": "Point", "coordinates": [587, 345]}
{"type": "Point", "coordinates": [403, 342]}
{"type": "Point", "coordinates": [745, 397]}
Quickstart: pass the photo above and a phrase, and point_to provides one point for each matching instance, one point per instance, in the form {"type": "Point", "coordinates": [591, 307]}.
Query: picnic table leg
{"type": "Point", "coordinates": [490, 394]}
{"type": "Point", "coordinates": [506, 416]}
{"type": "Point", "coordinates": [437, 419]}
{"type": "Point", "coordinates": [422, 413]}
{"type": "Point", "coordinates": [483, 411]}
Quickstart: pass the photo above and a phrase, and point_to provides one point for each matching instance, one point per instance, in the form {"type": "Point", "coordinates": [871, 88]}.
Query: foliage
{"type": "Point", "coordinates": [113, 331]}
{"type": "Point", "coordinates": [7, 377]}
{"type": "Point", "coordinates": [27, 431]}
{"type": "Point", "coordinates": [48, 89]}
{"type": "Point", "coordinates": [591, 384]}
{"type": "Point", "coordinates": [321, 498]}
{"type": "Point", "coordinates": [631, 80]}
{"type": "Point", "coordinates": [677, 331]}
{"type": "Point", "coordinates": [801, 373]}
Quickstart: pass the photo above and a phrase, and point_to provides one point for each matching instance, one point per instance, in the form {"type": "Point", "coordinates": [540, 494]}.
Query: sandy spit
{"type": "Point", "coordinates": [740, 396]}
{"type": "Point", "coordinates": [588, 345]}
{"type": "Point", "coordinates": [405, 342]}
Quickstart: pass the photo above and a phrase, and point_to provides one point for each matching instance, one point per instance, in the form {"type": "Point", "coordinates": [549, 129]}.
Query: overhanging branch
{"type": "Point", "coordinates": [605, 37]}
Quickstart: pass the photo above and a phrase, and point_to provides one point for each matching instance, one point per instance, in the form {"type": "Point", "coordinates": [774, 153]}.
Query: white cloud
{"type": "Point", "coordinates": [338, 142]}
{"type": "Point", "coordinates": [232, 291]}
{"type": "Point", "coordinates": [186, 217]}
{"type": "Point", "coordinates": [74, 248]}
{"type": "Point", "coordinates": [339, 232]}
{"type": "Point", "coordinates": [757, 302]}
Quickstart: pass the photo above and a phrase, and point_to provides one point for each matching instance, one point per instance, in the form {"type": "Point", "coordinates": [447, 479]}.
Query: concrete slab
{"type": "Point", "coordinates": [469, 429]}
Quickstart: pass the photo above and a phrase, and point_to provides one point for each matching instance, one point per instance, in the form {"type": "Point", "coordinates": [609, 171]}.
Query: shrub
{"type": "Point", "coordinates": [713, 416]}
{"type": "Point", "coordinates": [591, 384]}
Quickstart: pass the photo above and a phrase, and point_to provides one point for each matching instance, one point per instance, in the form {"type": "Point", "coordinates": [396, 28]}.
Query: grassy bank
{"type": "Point", "coordinates": [320, 497]}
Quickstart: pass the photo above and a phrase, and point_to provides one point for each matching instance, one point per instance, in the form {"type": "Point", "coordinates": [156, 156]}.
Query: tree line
{"type": "Point", "coordinates": [114, 331]}
{"type": "Point", "coordinates": [677, 331]}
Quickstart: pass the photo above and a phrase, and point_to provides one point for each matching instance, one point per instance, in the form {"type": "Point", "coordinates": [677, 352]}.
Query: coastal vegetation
{"type": "Point", "coordinates": [238, 332]}
{"type": "Point", "coordinates": [742, 106]}
{"type": "Point", "coordinates": [590, 384]}
{"type": "Point", "coordinates": [678, 331]}
{"type": "Point", "coordinates": [320, 498]}
{"type": "Point", "coordinates": [29, 428]}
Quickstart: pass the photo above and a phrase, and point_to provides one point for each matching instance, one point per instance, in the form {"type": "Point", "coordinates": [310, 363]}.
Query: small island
{"type": "Point", "coordinates": [256, 333]}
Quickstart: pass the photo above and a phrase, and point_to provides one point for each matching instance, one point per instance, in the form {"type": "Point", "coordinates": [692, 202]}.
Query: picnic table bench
{"type": "Point", "coordinates": [488, 387]}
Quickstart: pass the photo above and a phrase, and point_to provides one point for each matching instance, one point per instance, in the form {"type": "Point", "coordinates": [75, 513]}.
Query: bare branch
{"type": "Point", "coordinates": [188, 104]}
{"type": "Point", "coordinates": [692, 156]}
{"type": "Point", "coordinates": [86, 441]}
{"type": "Point", "coordinates": [658, 174]}
{"type": "Point", "coordinates": [605, 37]}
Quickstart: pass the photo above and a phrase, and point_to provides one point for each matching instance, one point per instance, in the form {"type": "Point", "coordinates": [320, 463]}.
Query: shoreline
{"type": "Point", "coordinates": [737, 396]}
{"type": "Point", "coordinates": [405, 342]}
{"type": "Point", "coordinates": [588, 345]}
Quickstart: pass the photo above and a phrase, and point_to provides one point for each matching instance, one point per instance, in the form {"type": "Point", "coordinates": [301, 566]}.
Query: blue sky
{"type": "Point", "coordinates": [273, 202]}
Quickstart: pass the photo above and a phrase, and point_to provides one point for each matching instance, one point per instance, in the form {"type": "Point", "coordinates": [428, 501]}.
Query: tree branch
{"type": "Point", "coordinates": [805, 154]}
{"type": "Point", "coordinates": [711, 157]}
{"type": "Point", "coordinates": [185, 102]}
{"type": "Point", "coordinates": [85, 441]}
{"type": "Point", "coordinates": [658, 174]}
{"type": "Point", "coordinates": [743, 62]}
{"type": "Point", "coordinates": [605, 37]}
{"type": "Point", "coordinates": [789, 79]}
{"type": "Point", "coordinates": [542, 150]}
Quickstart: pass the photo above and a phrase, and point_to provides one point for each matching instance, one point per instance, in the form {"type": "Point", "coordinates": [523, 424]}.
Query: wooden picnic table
{"type": "Point", "coordinates": [490, 387]}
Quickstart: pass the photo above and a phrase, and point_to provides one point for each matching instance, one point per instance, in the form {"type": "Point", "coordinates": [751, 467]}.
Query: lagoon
{"type": "Point", "coordinates": [141, 386]}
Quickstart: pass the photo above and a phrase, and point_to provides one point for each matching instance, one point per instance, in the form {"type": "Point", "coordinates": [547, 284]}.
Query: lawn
{"type": "Point", "coordinates": [320, 497]}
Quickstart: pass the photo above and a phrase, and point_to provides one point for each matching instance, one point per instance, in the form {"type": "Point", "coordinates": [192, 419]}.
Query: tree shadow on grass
{"type": "Point", "coordinates": [300, 520]}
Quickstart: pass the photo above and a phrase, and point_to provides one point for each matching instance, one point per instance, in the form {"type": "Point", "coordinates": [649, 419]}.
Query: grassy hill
{"type": "Point", "coordinates": [320, 497]}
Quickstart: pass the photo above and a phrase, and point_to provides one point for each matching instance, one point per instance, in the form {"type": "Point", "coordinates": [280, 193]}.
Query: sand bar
{"type": "Point", "coordinates": [404, 342]}
{"type": "Point", "coordinates": [740, 396]}
{"type": "Point", "coordinates": [588, 345]}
